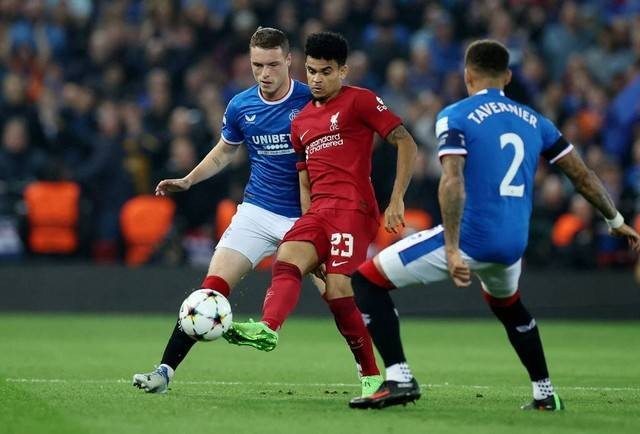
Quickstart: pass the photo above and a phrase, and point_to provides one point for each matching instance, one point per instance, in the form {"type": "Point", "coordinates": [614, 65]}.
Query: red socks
{"type": "Point", "coordinates": [349, 321]}
{"type": "Point", "coordinates": [216, 283]}
{"type": "Point", "coordinates": [282, 296]}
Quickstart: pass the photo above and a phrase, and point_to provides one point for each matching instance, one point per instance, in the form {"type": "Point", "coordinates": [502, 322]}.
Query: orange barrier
{"type": "Point", "coordinates": [52, 213]}
{"type": "Point", "coordinates": [415, 219]}
{"type": "Point", "coordinates": [565, 229]}
{"type": "Point", "coordinates": [224, 213]}
{"type": "Point", "coordinates": [145, 221]}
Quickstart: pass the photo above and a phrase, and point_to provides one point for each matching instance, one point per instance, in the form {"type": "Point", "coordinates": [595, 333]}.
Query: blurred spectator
{"type": "Point", "coordinates": [421, 74]}
{"type": "Point", "coordinates": [20, 163]}
{"type": "Point", "coordinates": [105, 182]}
{"type": "Point", "coordinates": [573, 236]}
{"type": "Point", "coordinates": [195, 207]}
{"type": "Point", "coordinates": [396, 93]}
{"type": "Point", "coordinates": [564, 37]}
{"type": "Point", "coordinates": [15, 104]}
{"type": "Point", "coordinates": [384, 39]}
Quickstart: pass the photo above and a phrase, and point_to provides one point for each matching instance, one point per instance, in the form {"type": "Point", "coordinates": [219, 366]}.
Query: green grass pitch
{"type": "Point", "coordinates": [71, 374]}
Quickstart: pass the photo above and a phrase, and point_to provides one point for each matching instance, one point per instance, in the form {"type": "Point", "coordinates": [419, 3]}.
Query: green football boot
{"type": "Point", "coordinates": [550, 403]}
{"type": "Point", "coordinates": [370, 384]}
{"type": "Point", "coordinates": [253, 334]}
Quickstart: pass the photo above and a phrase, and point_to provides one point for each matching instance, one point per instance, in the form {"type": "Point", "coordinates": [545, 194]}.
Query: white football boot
{"type": "Point", "coordinates": [156, 381]}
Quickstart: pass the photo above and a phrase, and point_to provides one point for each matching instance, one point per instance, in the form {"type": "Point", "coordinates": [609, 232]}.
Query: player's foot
{"type": "Point", "coordinates": [253, 334]}
{"type": "Point", "coordinates": [370, 384]}
{"type": "Point", "coordinates": [550, 403]}
{"type": "Point", "coordinates": [389, 393]}
{"type": "Point", "coordinates": [153, 382]}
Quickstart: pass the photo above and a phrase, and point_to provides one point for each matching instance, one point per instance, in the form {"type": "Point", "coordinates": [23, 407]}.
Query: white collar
{"type": "Point", "coordinates": [278, 101]}
{"type": "Point", "coordinates": [486, 91]}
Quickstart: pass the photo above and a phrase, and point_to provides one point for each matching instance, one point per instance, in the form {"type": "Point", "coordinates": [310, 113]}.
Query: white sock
{"type": "Point", "coordinates": [170, 370]}
{"type": "Point", "coordinates": [542, 388]}
{"type": "Point", "coordinates": [399, 372]}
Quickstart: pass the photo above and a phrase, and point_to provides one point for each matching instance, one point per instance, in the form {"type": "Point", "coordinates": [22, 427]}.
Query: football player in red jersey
{"type": "Point", "coordinates": [333, 136]}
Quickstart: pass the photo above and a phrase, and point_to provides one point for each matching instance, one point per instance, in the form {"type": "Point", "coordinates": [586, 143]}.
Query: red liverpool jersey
{"type": "Point", "coordinates": [338, 138]}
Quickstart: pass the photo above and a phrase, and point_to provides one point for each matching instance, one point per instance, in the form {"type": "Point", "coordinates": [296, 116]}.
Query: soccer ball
{"type": "Point", "coordinates": [205, 315]}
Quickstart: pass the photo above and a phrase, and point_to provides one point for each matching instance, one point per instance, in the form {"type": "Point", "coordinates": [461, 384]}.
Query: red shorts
{"type": "Point", "coordinates": [341, 237]}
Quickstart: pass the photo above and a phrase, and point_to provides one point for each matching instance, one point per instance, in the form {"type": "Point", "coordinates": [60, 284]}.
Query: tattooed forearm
{"type": "Point", "coordinates": [217, 161]}
{"type": "Point", "coordinates": [397, 134]}
{"type": "Point", "coordinates": [451, 195]}
{"type": "Point", "coordinates": [587, 183]}
{"type": "Point", "coordinates": [592, 189]}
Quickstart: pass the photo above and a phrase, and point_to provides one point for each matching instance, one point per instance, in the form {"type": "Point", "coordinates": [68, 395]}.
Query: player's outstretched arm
{"type": "Point", "coordinates": [451, 195]}
{"type": "Point", "coordinates": [216, 160]}
{"type": "Point", "coordinates": [407, 149]}
{"type": "Point", "coordinates": [589, 185]}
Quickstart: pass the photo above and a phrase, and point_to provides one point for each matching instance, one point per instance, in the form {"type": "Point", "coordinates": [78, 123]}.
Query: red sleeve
{"type": "Point", "coordinates": [295, 138]}
{"type": "Point", "coordinates": [301, 164]}
{"type": "Point", "coordinates": [375, 113]}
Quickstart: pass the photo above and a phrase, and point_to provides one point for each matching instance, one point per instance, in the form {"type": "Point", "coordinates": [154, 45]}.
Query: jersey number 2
{"type": "Point", "coordinates": [506, 188]}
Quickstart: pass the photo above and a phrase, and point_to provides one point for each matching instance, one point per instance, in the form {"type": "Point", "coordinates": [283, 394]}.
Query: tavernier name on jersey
{"type": "Point", "coordinates": [502, 141]}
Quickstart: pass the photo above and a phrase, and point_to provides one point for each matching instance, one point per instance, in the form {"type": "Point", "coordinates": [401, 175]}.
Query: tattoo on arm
{"type": "Point", "coordinates": [397, 134]}
{"type": "Point", "coordinates": [217, 161]}
{"type": "Point", "coordinates": [451, 195]}
{"type": "Point", "coordinates": [587, 183]}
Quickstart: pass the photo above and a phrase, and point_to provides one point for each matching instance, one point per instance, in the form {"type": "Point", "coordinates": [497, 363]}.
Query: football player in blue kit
{"type": "Point", "coordinates": [260, 117]}
{"type": "Point", "coordinates": [489, 147]}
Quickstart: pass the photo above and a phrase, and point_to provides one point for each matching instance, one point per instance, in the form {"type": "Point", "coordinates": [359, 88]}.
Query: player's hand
{"type": "Point", "coordinates": [394, 216]}
{"type": "Point", "coordinates": [172, 185]}
{"type": "Point", "coordinates": [321, 272]}
{"type": "Point", "coordinates": [630, 234]}
{"type": "Point", "coordinates": [458, 269]}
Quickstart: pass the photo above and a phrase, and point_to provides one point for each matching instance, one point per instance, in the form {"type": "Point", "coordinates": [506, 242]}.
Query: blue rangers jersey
{"type": "Point", "coordinates": [502, 141]}
{"type": "Point", "coordinates": [265, 128]}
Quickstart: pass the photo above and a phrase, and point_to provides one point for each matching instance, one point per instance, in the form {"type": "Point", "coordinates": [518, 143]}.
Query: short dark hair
{"type": "Point", "coordinates": [327, 46]}
{"type": "Point", "coordinates": [487, 56]}
{"type": "Point", "coordinates": [268, 38]}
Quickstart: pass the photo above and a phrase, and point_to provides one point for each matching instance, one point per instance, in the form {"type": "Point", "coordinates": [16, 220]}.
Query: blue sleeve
{"type": "Point", "coordinates": [450, 135]}
{"type": "Point", "coordinates": [231, 132]}
{"type": "Point", "coordinates": [554, 145]}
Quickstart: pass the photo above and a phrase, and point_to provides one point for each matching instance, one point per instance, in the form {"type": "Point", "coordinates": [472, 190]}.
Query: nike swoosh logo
{"type": "Point", "coordinates": [337, 264]}
{"type": "Point", "coordinates": [304, 134]}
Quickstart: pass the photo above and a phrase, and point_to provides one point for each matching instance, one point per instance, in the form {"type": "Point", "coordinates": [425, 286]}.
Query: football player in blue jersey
{"type": "Point", "coordinates": [260, 117]}
{"type": "Point", "coordinates": [489, 148]}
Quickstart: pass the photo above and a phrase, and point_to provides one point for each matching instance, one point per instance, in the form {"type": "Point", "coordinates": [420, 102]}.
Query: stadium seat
{"type": "Point", "coordinates": [415, 219]}
{"type": "Point", "coordinates": [52, 215]}
{"type": "Point", "coordinates": [145, 221]}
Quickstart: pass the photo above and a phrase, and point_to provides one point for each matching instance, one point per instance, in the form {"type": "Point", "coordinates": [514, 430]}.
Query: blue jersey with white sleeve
{"type": "Point", "coordinates": [265, 128]}
{"type": "Point", "coordinates": [502, 141]}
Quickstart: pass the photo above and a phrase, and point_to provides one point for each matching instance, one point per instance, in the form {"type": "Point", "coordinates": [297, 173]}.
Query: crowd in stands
{"type": "Point", "coordinates": [116, 95]}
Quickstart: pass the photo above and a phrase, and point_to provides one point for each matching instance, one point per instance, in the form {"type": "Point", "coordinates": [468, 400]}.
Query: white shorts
{"type": "Point", "coordinates": [420, 258]}
{"type": "Point", "coordinates": [255, 232]}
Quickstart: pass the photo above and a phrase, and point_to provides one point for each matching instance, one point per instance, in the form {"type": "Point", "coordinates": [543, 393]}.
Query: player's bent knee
{"type": "Point", "coordinates": [301, 254]}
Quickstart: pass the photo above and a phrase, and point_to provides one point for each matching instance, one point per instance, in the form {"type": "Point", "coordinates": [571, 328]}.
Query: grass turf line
{"type": "Point", "coordinates": [70, 373]}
